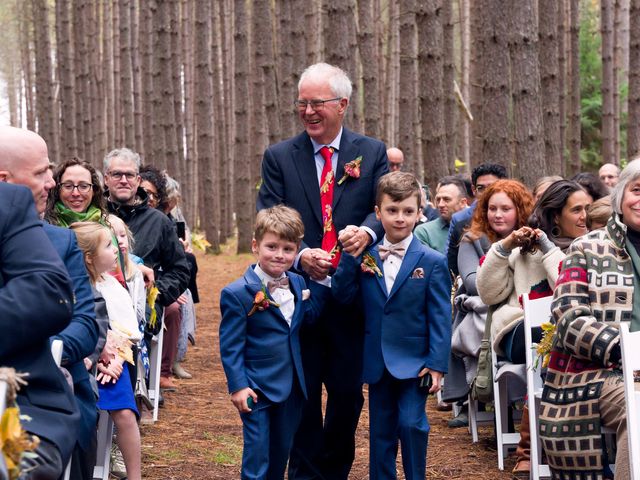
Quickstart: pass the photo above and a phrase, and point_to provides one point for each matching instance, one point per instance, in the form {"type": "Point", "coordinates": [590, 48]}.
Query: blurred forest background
{"type": "Point", "coordinates": [201, 87]}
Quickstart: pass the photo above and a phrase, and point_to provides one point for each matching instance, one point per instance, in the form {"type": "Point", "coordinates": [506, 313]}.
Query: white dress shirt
{"type": "Point", "coordinates": [391, 266]}
{"type": "Point", "coordinates": [282, 296]}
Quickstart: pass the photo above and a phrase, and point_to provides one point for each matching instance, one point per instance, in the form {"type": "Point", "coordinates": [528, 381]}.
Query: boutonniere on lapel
{"type": "Point", "coordinates": [261, 301]}
{"type": "Point", "coordinates": [351, 169]}
{"type": "Point", "coordinates": [369, 265]}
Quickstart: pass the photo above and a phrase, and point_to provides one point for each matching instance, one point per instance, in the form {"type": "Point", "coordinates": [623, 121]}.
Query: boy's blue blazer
{"type": "Point", "coordinates": [408, 328]}
{"type": "Point", "coordinates": [261, 351]}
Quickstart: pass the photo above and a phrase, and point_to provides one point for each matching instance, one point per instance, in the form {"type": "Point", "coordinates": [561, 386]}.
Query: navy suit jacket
{"type": "Point", "coordinates": [36, 298]}
{"type": "Point", "coordinates": [289, 176]}
{"type": "Point", "coordinates": [408, 328]}
{"type": "Point", "coordinates": [81, 336]}
{"type": "Point", "coordinates": [262, 351]}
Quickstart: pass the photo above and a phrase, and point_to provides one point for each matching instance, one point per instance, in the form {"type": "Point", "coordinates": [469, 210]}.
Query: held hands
{"type": "Point", "coordinates": [109, 373]}
{"type": "Point", "coordinates": [354, 240]}
{"type": "Point", "coordinates": [435, 376]}
{"type": "Point", "coordinates": [316, 262]}
{"type": "Point", "coordinates": [239, 399]}
{"type": "Point", "coordinates": [520, 237]}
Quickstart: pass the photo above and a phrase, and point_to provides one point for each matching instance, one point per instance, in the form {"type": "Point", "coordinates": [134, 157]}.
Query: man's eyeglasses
{"type": "Point", "coordinates": [315, 104]}
{"type": "Point", "coordinates": [481, 188]}
{"type": "Point", "coordinates": [82, 187]}
{"type": "Point", "coordinates": [118, 175]}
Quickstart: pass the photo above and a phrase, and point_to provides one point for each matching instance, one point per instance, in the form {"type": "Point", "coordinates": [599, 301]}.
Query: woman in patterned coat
{"type": "Point", "coordinates": [583, 387]}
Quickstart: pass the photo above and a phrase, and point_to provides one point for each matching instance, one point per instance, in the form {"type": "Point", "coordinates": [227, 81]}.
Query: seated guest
{"type": "Point", "coordinates": [594, 292]}
{"type": "Point", "coordinates": [36, 302]}
{"type": "Point", "coordinates": [450, 198]}
{"type": "Point", "coordinates": [526, 262]}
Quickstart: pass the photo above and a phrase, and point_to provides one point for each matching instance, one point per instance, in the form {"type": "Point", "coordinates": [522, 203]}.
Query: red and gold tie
{"type": "Point", "coordinates": [327, 180]}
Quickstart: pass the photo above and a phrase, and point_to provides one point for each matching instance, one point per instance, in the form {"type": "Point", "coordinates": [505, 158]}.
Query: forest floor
{"type": "Point", "coordinates": [199, 434]}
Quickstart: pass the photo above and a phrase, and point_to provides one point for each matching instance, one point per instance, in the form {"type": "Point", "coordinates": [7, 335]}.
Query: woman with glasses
{"type": "Point", "coordinates": [78, 195]}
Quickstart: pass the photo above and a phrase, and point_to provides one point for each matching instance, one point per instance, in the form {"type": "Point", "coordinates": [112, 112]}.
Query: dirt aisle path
{"type": "Point", "coordinates": [199, 436]}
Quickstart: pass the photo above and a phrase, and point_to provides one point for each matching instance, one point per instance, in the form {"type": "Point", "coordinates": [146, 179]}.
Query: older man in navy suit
{"type": "Point", "coordinates": [36, 301]}
{"type": "Point", "coordinates": [329, 175]}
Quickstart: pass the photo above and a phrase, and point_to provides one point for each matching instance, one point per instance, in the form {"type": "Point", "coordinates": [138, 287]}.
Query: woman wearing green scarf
{"type": "Point", "coordinates": [78, 195]}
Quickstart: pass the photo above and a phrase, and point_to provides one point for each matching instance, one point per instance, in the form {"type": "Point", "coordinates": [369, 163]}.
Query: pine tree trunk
{"type": "Point", "coordinates": [97, 99]}
{"type": "Point", "coordinates": [285, 76]}
{"type": "Point", "coordinates": [190, 189]}
{"type": "Point", "coordinates": [549, 83]}
{"type": "Point", "coordinates": [203, 93]}
{"type": "Point", "coordinates": [227, 26]}
{"type": "Point", "coordinates": [448, 79]}
{"type": "Point", "coordinates": [45, 105]}
{"type": "Point", "coordinates": [107, 73]}
{"type": "Point", "coordinates": [477, 80]}
{"type": "Point", "coordinates": [118, 124]}
{"type": "Point", "coordinates": [562, 81]}
{"type": "Point", "coordinates": [126, 73]}
{"type": "Point", "coordinates": [244, 192]}
{"type": "Point", "coordinates": [525, 92]}
{"type": "Point", "coordinates": [608, 83]}
{"type": "Point", "coordinates": [81, 81]}
{"type": "Point", "coordinates": [431, 91]}
{"type": "Point", "coordinates": [620, 66]}
{"type": "Point", "coordinates": [493, 119]}
{"type": "Point", "coordinates": [409, 127]}
{"type": "Point", "coordinates": [176, 163]}
{"type": "Point", "coordinates": [574, 88]}
{"type": "Point", "coordinates": [633, 128]}
{"type": "Point", "coordinates": [465, 88]}
{"type": "Point", "coordinates": [370, 58]}
{"type": "Point", "coordinates": [138, 121]}
{"type": "Point", "coordinates": [65, 77]}
{"type": "Point", "coordinates": [147, 40]}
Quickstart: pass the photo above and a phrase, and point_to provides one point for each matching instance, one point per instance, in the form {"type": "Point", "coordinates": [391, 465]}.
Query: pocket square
{"type": "Point", "coordinates": [418, 273]}
{"type": "Point", "coordinates": [306, 293]}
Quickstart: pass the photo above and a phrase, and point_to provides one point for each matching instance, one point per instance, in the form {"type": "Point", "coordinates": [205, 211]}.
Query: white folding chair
{"type": "Point", "coordinates": [56, 352]}
{"type": "Point", "coordinates": [630, 343]}
{"type": "Point", "coordinates": [505, 375]}
{"type": "Point", "coordinates": [4, 474]}
{"type": "Point", "coordinates": [536, 312]}
{"type": "Point", "coordinates": [155, 363]}
{"type": "Point", "coordinates": [103, 450]}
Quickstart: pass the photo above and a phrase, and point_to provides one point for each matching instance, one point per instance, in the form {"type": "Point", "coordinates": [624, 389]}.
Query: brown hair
{"type": "Point", "coordinates": [89, 235]}
{"type": "Point", "coordinates": [398, 186]}
{"type": "Point", "coordinates": [284, 222]}
{"type": "Point", "coordinates": [97, 198]}
{"type": "Point", "coordinates": [599, 212]}
{"type": "Point", "coordinates": [519, 195]}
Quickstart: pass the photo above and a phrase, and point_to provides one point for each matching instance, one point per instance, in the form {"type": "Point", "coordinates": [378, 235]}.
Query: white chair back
{"type": "Point", "coordinates": [4, 474]}
{"type": "Point", "coordinates": [536, 312]}
{"type": "Point", "coordinates": [630, 343]}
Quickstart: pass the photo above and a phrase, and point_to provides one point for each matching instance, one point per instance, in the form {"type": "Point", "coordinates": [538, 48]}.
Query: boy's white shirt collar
{"type": "Point", "coordinates": [403, 243]}
{"type": "Point", "coordinates": [265, 277]}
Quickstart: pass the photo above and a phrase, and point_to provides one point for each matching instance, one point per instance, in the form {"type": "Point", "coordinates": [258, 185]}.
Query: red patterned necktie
{"type": "Point", "coordinates": [327, 181]}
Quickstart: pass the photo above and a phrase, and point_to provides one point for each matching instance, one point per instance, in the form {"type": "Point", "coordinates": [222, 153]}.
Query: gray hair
{"type": "Point", "coordinates": [173, 188]}
{"type": "Point", "coordinates": [629, 174]}
{"type": "Point", "coordinates": [336, 77]}
{"type": "Point", "coordinates": [125, 154]}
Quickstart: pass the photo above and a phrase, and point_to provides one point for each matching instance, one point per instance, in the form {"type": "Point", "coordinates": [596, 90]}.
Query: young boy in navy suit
{"type": "Point", "coordinates": [260, 346]}
{"type": "Point", "coordinates": [405, 288]}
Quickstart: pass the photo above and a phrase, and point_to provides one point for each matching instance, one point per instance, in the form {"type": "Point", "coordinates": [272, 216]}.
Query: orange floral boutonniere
{"type": "Point", "coordinates": [351, 169]}
{"type": "Point", "coordinates": [261, 302]}
{"type": "Point", "coordinates": [369, 265]}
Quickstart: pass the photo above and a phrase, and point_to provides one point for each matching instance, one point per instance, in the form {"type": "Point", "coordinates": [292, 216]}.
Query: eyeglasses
{"type": "Point", "coordinates": [151, 195]}
{"type": "Point", "coordinates": [315, 104]}
{"type": "Point", "coordinates": [481, 188]}
{"type": "Point", "coordinates": [118, 175]}
{"type": "Point", "coordinates": [82, 187]}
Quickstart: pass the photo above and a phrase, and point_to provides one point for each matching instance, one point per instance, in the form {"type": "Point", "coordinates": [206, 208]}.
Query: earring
{"type": "Point", "coordinates": [555, 231]}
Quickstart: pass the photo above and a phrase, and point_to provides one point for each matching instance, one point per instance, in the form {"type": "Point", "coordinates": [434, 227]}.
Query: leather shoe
{"type": "Point", "coordinates": [462, 420]}
{"type": "Point", "coordinates": [166, 383]}
{"type": "Point", "coordinates": [521, 470]}
{"type": "Point", "coordinates": [180, 372]}
{"type": "Point", "coordinates": [444, 407]}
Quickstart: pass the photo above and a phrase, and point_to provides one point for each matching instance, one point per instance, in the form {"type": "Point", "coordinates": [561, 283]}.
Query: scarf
{"type": "Point", "coordinates": [66, 216]}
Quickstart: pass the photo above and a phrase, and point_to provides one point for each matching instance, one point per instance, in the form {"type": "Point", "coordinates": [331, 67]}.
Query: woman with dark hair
{"type": "Point", "coordinates": [526, 262]}
{"type": "Point", "coordinates": [592, 184]}
{"type": "Point", "coordinates": [155, 184]}
{"type": "Point", "coordinates": [77, 196]}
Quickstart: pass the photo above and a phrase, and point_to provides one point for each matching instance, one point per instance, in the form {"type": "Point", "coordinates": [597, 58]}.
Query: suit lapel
{"type": "Point", "coordinates": [408, 263]}
{"type": "Point", "coordinates": [298, 311]}
{"type": "Point", "coordinates": [380, 278]}
{"type": "Point", "coordinates": [254, 285]}
{"type": "Point", "coordinates": [348, 152]}
{"type": "Point", "coordinates": [305, 165]}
